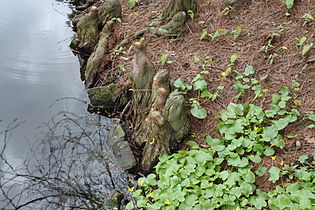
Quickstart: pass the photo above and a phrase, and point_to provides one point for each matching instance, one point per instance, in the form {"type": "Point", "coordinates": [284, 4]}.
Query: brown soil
{"type": "Point", "coordinates": [258, 20]}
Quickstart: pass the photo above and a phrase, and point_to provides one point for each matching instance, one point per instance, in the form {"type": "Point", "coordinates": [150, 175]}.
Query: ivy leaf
{"type": "Point", "coordinates": [305, 203]}
{"type": "Point", "coordinates": [255, 158]}
{"type": "Point", "coordinates": [202, 157]}
{"type": "Point", "coordinates": [262, 194]}
{"type": "Point", "coordinates": [206, 94]}
{"type": "Point", "coordinates": [270, 113]}
{"type": "Point", "coordinates": [213, 141]}
{"type": "Point", "coordinates": [284, 90]}
{"type": "Point", "coordinates": [236, 108]}
{"type": "Point", "coordinates": [269, 133]}
{"type": "Point", "coordinates": [240, 87]}
{"type": "Point", "coordinates": [215, 144]}
{"type": "Point", "coordinates": [224, 175]}
{"type": "Point", "coordinates": [269, 151]}
{"type": "Point", "coordinates": [280, 124]}
{"type": "Point", "coordinates": [200, 85]}
{"type": "Point", "coordinates": [249, 177]}
{"type": "Point", "coordinates": [278, 141]}
{"type": "Point", "coordinates": [198, 111]}
{"type": "Point", "coordinates": [249, 70]}
{"type": "Point", "coordinates": [311, 126]}
{"type": "Point", "coordinates": [303, 158]}
{"type": "Point", "coordinates": [218, 148]}
{"type": "Point", "coordinates": [258, 202]}
{"type": "Point", "coordinates": [261, 171]}
{"type": "Point", "coordinates": [246, 188]}
{"type": "Point", "coordinates": [274, 174]}
{"type": "Point", "coordinates": [192, 144]}
{"type": "Point", "coordinates": [284, 201]}
{"type": "Point", "coordinates": [311, 117]}
{"type": "Point", "coordinates": [180, 83]}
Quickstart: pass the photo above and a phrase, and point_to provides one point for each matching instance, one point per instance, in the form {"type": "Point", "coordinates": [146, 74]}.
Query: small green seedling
{"type": "Point", "coordinates": [164, 59]}
{"type": "Point", "coordinates": [199, 86]}
{"type": "Point", "coordinates": [296, 85]}
{"type": "Point", "coordinates": [218, 33]}
{"type": "Point", "coordinates": [204, 64]}
{"type": "Point", "coordinates": [122, 68]}
{"type": "Point", "coordinates": [116, 19]}
{"type": "Point", "coordinates": [270, 39]}
{"type": "Point", "coordinates": [307, 18]}
{"type": "Point", "coordinates": [311, 117]}
{"type": "Point", "coordinates": [278, 53]}
{"type": "Point", "coordinates": [300, 41]}
{"type": "Point", "coordinates": [306, 48]}
{"type": "Point", "coordinates": [227, 10]}
{"type": "Point", "coordinates": [237, 32]}
{"type": "Point", "coordinates": [134, 15]}
{"type": "Point", "coordinates": [191, 14]}
{"type": "Point", "coordinates": [281, 27]}
{"type": "Point", "coordinates": [289, 3]}
{"type": "Point", "coordinates": [119, 51]}
{"type": "Point", "coordinates": [182, 85]}
{"type": "Point", "coordinates": [229, 69]}
{"type": "Point", "coordinates": [132, 3]}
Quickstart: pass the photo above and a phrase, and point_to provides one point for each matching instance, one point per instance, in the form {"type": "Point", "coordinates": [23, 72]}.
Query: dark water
{"type": "Point", "coordinates": [36, 68]}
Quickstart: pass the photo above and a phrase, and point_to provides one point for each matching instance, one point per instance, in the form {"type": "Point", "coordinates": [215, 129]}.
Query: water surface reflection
{"type": "Point", "coordinates": [36, 68]}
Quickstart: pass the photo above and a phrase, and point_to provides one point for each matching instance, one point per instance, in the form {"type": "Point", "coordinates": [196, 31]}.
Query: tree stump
{"type": "Point", "coordinates": [101, 49]}
{"type": "Point", "coordinates": [87, 33]}
{"type": "Point", "coordinates": [142, 75]}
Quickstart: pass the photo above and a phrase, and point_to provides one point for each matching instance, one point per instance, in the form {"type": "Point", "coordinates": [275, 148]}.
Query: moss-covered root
{"type": "Point", "coordinates": [160, 90]}
{"type": "Point", "coordinates": [108, 10]}
{"type": "Point", "coordinates": [176, 114]}
{"type": "Point", "coordinates": [237, 4]}
{"type": "Point", "coordinates": [175, 27]}
{"type": "Point", "coordinates": [86, 5]}
{"type": "Point", "coordinates": [95, 59]}
{"type": "Point", "coordinates": [173, 8]}
{"type": "Point", "coordinates": [87, 29]}
{"type": "Point", "coordinates": [159, 119]}
{"type": "Point", "coordinates": [141, 75]}
{"type": "Point", "coordinates": [109, 98]}
{"type": "Point", "coordinates": [159, 140]}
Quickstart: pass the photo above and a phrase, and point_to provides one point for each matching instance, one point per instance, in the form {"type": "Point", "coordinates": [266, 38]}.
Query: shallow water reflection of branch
{"type": "Point", "coordinates": [70, 167]}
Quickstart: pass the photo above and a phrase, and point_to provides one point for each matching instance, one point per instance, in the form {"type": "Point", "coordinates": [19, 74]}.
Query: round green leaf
{"type": "Point", "coordinates": [198, 112]}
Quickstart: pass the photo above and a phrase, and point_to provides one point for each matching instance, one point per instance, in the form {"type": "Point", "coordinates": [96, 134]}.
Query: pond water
{"type": "Point", "coordinates": [37, 67]}
{"type": "Point", "coordinates": [40, 86]}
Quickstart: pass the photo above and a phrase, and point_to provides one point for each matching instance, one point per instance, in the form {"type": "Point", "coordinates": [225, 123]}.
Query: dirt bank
{"type": "Point", "coordinates": [263, 34]}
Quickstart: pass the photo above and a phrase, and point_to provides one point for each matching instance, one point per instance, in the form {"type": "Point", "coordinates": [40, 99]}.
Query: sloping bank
{"type": "Point", "coordinates": [159, 119]}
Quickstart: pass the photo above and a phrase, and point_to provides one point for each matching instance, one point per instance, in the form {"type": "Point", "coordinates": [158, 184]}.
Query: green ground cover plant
{"type": "Point", "coordinates": [221, 175]}
{"type": "Point", "coordinates": [244, 82]}
{"type": "Point", "coordinates": [200, 86]}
